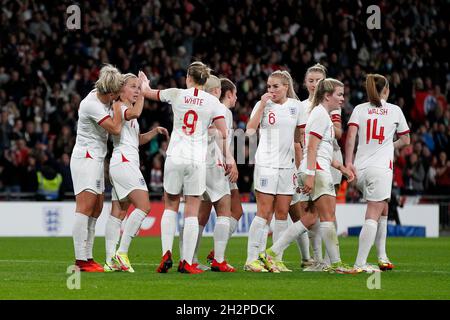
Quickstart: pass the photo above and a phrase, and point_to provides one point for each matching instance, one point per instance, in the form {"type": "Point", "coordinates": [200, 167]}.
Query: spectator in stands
{"type": "Point", "coordinates": [414, 175]}
{"type": "Point", "coordinates": [443, 174]}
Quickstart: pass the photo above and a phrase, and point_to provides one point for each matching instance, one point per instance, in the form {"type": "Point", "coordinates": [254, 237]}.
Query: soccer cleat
{"type": "Point", "coordinates": [201, 266]}
{"type": "Point", "coordinates": [340, 268]}
{"type": "Point", "coordinates": [307, 263]}
{"type": "Point", "coordinates": [367, 268]}
{"type": "Point", "coordinates": [111, 267]}
{"type": "Point", "coordinates": [385, 265]}
{"type": "Point", "coordinates": [282, 267]}
{"type": "Point", "coordinates": [122, 260]}
{"type": "Point", "coordinates": [187, 268]}
{"type": "Point", "coordinates": [267, 258]}
{"type": "Point", "coordinates": [86, 266]}
{"type": "Point", "coordinates": [316, 267]}
{"type": "Point", "coordinates": [92, 261]}
{"type": "Point", "coordinates": [255, 266]}
{"type": "Point", "coordinates": [221, 267]}
{"type": "Point", "coordinates": [166, 263]}
{"type": "Point", "coordinates": [210, 257]}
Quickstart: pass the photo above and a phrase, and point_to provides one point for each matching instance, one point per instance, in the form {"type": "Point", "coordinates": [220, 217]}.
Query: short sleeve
{"type": "Point", "coordinates": [354, 118]}
{"type": "Point", "coordinates": [124, 109]}
{"type": "Point", "coordinates": [255, 109]}
{"type": "Point", "coordinates": [318, 124]}
{"type": "Point", "coordinates": [336, 115]}
{"type": "Point", "coordinates": [300, 117]}
{"type": "Point", "coordinates": [402, 126]}
{"type": "Point", "coordinates": [168, 95]}
{"type": "Point", "coordinates": [218, 112]}
{"type": "Point", "coordinates": [96, 112]}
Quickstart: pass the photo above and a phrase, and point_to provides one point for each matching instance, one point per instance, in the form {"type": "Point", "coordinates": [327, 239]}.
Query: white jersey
{"type": "Point", "coordinates": [376, 129]}
{"type": "Point", "coordinates": [320, 125]}
{"type": "Point", "coordinates": [193, 112]}
{"type": "Point", "coordinates": [306, 105]}
{"type": "Point", "coordinates": [277, 129]}
{"type": "Point", "coordinates": [126, 144]}
{"type": "Point", "coordinates": [91, 137]}
{"type": "Point", "coordinates": [215, 156]}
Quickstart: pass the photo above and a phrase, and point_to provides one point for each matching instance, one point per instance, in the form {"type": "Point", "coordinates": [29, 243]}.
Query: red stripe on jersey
{"type": "Point", "coordinates": [301, 126]}
{"type": "Point", "coordinates": [318, 167]}
{"type": "Point", "coordinates": [157, 96]}
{"type": "Point", "coordinates": [88, 156]}
{"type": "Point", "coordinates": [195, 92]}
{"type": "Point", "coordinates": [402, 133]}
{"type": "Point", "coordinates": [315, 134]}
{"type": "Point", "coordinates": [106, 117]}
{"type": "Point", "coordinates": [390, 164]}
{"type": "Point", "coordinates": [353, 124]}
{"type": "Point", "coordinates": [335, 118]}
{"type": "Point", "coordinates": [125, 114]}
{"type": "Point", "coordinates": [124, 159]}
{"type": "Point", "coordinates": [219, 117]}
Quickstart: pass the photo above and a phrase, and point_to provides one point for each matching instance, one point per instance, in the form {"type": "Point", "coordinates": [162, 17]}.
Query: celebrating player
{"type": "Point", "coordinates": [277, 115]}
{"type": "Point", "coordinates": [194, 110]}
{"type": "Point", "coordinates": [128, 183]}
{"type": "Point", "coordinates": [375, 122]}
{"type": "Point", "coordinates": [87, 161]}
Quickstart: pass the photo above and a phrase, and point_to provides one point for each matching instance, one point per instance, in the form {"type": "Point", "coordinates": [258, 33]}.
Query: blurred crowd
{"type": "Point", "coordinates": [46, 69]}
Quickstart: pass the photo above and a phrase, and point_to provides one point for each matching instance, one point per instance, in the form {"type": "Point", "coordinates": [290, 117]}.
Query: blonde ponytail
{"type": "Point", "coordinates": [287, 80]}
{"type": "Point", "coordinates": [375, 83]}
{"type": "Point", "coordinates": [324, 86]}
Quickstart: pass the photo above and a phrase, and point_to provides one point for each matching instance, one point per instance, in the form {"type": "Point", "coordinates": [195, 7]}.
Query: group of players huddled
{"type": "Point", "coordinates": [298, 167]}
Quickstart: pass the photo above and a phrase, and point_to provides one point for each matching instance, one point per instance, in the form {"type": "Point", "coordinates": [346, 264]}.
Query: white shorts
{"type": "Point", "coordinates": [335, 173]}
{"type": "Point", "coordinates": [217, 184]}
{"type": "Point", "coordinates": [126, 177]}
{"type": "Point", "coordinates": [274, 180]}
{"type": "Point", "coordinates": [184, 176]}
{"type": "Point", "coordinates": [323, 185]}
{"type": "Point", "coordinates": [375, 183]}
{"type": "Point", "coordinates": [87, 174]}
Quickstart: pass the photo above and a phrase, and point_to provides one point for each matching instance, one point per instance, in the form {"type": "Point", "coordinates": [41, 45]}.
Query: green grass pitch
{"type": "Point", "coordinates": [35, 268]}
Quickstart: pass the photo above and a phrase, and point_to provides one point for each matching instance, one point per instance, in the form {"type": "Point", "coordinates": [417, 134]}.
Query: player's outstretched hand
{"type": "Point", "coordinates": [308, 184]}
{"type": "Point", "coordinates": [145, 83]}
{"type": "Point", "coordinates": [162, 130]}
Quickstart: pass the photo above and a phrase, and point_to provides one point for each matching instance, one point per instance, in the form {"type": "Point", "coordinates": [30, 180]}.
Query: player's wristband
{"type": "Point", "coordinates": [310, 172]}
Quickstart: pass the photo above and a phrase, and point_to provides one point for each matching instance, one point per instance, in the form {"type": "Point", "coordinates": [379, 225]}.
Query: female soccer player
{"type": "Point", "coordinates": [194, 110]}
{"type": "Point", "coordinates": [277, 114]}
{"type": "Point", "coordinates": [87, 161]}
{"type": "Point", "coordinates": [376, 122]}
{"type": "Point", "coordinates": [217, 189]}
{"type": "Point", "coordinates": [315, 176]}
{"type": "Point", "coordinates": [128, 183]}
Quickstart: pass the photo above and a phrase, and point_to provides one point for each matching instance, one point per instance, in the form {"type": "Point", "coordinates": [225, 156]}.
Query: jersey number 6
{"type": "Point", "coordinates": [271, 118]}
{"type": "Point", "coordinates": [190, 121]}
{"type": "Point", "coordinates": [372, 134]}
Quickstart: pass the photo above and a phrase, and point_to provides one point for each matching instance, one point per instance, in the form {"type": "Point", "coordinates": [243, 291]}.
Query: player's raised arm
{"type": "Point", "coordinates": [147, 91]}
{"type": "Point", "coordinates": [255, 118]}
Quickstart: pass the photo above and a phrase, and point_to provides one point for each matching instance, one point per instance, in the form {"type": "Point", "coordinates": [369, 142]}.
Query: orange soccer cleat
{"type": "Point", "coordinates": [166, 263]}
{"type": "Point", "coordinates": [221, 267]}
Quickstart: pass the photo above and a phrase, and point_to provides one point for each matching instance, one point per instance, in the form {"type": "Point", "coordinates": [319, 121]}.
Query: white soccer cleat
{"type": "Point", "coordinates": [316, 267]}
{"type": "Point", "coordinates": [367, 268]}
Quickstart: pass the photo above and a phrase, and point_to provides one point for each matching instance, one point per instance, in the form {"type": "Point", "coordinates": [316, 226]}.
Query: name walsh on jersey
{"type": "Point", "coordinates": [379, 111]}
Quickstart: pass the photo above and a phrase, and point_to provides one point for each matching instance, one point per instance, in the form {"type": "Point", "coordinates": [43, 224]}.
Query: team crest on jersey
{"type": "Point", "coordinates": [142, 181]}
{"type": "Point", "coordinates": [293, 111]}
{"type": "Point", "coordinates": [264, 182]}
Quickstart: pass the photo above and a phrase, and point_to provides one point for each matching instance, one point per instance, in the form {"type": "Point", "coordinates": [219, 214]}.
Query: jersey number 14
{"type": "Point", "coordinates": [372, 131]}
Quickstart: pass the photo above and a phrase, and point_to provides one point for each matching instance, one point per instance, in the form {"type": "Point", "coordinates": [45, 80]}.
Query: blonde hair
{"type": "Point", "coordinates": [375, 83]}
{"type": "Point", "coordinates": [317, 68]}
{"type": "Point", "coordinates": [212, 83]}
{"type": "Point", "coordinates": [128, 76]}
{"type": "Point", "coordinates": [324, 86]}
{"type": "Point", "coordinates": [199, 72]}
{"type": "Point", "coordinates": [110, 80]}
{"type": "Point", "coordinates": [284, 75]}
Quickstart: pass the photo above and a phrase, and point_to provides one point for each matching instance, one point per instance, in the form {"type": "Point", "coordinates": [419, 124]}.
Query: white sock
{"type": "Point", "coordinates": [380, 240]}
{"type": "Point", "coordinates": [327, 257]}
{"type": "Point", "coordinates": [366, 240]}
{"type": "Point", "coordinates": [292, 232]}
{"type": "Point", "coordinates": [91, 236]}
{"type": "Point", "coordinates": [80, 235]}
{"type": "Point", "coordinates": [316, 241]}
{"type": "Point", "coordinates": [168, 228]}
{"type": "Point", "coordinates": [180, 240]}
{"type": "Point", "coordinates": [221, 231]}
{"type": "Point", "coordinates": [280, 226]}
{"type": "Point", "coordinates": [329, 236]}
{"type": "Point", "coordinates": [131, 229]}
{"type": "Point", "coordinates": [112, 235]}
{"type": "Point", "coordinates": [190, 235]}
{"type": "Point", "coordinates": [303, 245]}
{"type": "Point", "coordinates": [263, 238]}
{"type": "Point", "coordinates": [197, 245]}
{"type": "Point", "coordinates": [233, 226]}
{"type": "Point", "coordinates": [254, 238]}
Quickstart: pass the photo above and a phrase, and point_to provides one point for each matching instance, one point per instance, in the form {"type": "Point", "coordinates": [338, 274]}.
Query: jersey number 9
{"type": "Point", "coordinates": [190, 121]}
